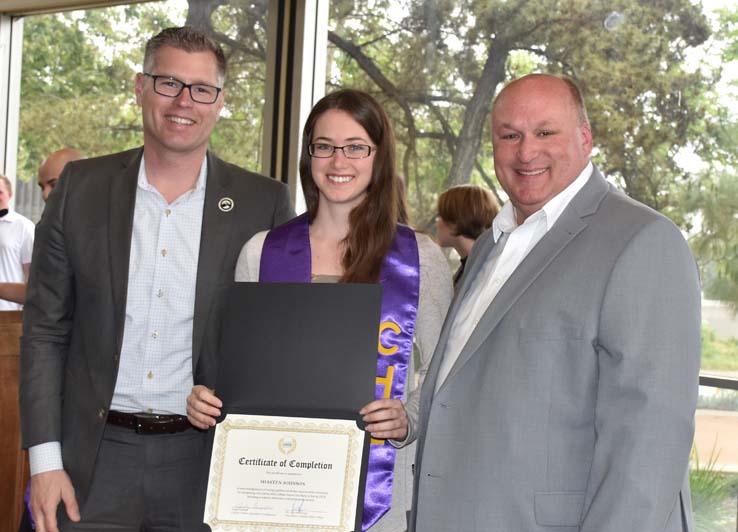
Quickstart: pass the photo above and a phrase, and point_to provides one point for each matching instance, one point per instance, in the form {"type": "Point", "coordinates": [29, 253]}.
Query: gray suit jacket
{"type": "Point", "coordinates": [74, 315]}
{"type": "Point", "coordinates": [571, 407]}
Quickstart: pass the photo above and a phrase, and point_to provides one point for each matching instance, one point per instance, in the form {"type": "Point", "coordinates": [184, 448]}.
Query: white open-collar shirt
{"type": "Point", "coordinates": [501, 263]}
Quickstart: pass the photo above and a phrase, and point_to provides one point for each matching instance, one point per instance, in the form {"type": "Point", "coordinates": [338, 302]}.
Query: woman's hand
{"type": "Point", "coordinates": [203, 407]}
{"type": "Point", "coordinates": [385, 418]}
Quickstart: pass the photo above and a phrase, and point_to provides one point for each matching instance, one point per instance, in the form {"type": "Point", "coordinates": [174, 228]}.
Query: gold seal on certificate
{"type": "Point", "coordinates": [272, 473]}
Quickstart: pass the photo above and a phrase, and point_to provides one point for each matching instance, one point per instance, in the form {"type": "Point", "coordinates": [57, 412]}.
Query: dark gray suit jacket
{"type": "Point", "coordinates": [571, 406]}
{"type": "Point", "coordinates": [74, 315]}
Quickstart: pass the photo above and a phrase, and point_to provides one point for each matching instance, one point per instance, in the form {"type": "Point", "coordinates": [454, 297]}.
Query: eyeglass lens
{"type": "Point", "coordinates": [173, 87]}
{"type": "Point", "coordinates": [351, 151]}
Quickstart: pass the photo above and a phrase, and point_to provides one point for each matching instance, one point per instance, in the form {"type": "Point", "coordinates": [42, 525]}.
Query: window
{"type": "Point", "coordinates": [77, 85]}
{"type": "Point", "coordinates": [659, 84]}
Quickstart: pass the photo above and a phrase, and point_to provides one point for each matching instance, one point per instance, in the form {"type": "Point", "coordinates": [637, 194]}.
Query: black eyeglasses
{"type": "Point", "coordinates": [350, 151]}
{"type": "Point", "coordinates": [172, 87]}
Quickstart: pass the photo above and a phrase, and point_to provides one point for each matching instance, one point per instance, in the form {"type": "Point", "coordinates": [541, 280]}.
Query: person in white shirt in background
{"type": "Point", "coordinates": [16, 246]}
{"type": "Point", "coordinates": [48, 175]}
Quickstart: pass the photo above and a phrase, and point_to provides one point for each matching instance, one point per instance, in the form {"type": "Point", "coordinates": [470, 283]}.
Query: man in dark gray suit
{"type": "Point", "coordinates": [133, 256]}
{"type": "Point", "coordinates": [562, 392]}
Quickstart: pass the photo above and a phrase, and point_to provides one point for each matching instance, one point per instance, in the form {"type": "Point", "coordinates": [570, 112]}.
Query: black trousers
{"type": "Point", "coordinates": [146, 482]}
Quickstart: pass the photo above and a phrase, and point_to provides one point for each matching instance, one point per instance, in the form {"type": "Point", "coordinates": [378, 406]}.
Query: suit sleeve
{"type": "Point", "coordinates": [249, 260]}
{"type": "Point", "coordinates": [436, 291]}
{"type": "Point", "coordinates": [648, 353]}
{"type": "Point", "coordinates": [47, 325]}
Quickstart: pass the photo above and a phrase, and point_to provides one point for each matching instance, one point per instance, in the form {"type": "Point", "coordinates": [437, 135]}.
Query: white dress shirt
{"type": "Point", "coordinates": [500, 265]}
{"type": "Point", "coordinates": [155, 372]}
{"type": "Point", "coordinates": [16, 247]}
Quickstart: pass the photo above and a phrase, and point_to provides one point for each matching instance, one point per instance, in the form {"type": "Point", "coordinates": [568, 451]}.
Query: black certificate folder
{"type": "Point", "coordinates": [299, 349]}
{"type": "Point", "coordinates": [296, 364]}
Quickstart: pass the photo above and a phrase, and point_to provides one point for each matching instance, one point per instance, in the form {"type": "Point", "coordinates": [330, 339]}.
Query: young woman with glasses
{"type": "Point", "coordinates": [351, 233]}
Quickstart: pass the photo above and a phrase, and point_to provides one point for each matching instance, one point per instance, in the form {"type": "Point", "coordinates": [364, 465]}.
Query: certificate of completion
{"type": "Point", "coordinates": [273, 473]}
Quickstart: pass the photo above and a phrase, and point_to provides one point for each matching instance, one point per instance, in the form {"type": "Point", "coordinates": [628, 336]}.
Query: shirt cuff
{"type": "Point", "coordinates": [45, 457]}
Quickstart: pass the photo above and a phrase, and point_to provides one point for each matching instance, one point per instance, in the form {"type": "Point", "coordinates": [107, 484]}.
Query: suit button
{"type": "Point", "coordinates": [101, 413]}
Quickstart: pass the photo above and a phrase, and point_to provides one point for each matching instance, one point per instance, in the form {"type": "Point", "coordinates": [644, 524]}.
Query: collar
{"type": "Point", "coordinates": [10, 217]}
{"type": "Point", "coordinates": [506, 221]}
{"type": "Point", "coordinates": [143, 179]}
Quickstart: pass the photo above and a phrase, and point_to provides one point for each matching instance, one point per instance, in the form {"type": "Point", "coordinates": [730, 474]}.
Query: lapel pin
{"type": "Point", "coordinates": [226, 204]}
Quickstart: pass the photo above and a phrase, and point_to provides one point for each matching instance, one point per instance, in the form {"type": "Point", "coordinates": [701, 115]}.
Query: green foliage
{"type": "Point", "coordinates": [715, 197]}
{"type": "Point", "coordinates": [78, 79]}
{"type": "Point", "coordinates": [718, 354]}
{"type": "Point", "coordinates": [240, 27]}
{"type": "Point", "coordinates": [431, 62]}
{"type": "Point", "coordinates": [436, 65]}
{"type": "Point", "coordinates": [729, 30]}
{"type": "Point", "coordinates": [711, 490]}
{"type": "Point", "coordinates": [643, 99]}
{"type": "Point", "coordinates": [77, 82]}
{"type": "Point", "coordinates": [723, 400]}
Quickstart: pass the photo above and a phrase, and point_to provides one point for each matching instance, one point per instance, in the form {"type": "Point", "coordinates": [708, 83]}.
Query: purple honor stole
{"type": "Point", "coordinates": [27, 502]}
{"type": "Point", "coordinates": [286, 257]}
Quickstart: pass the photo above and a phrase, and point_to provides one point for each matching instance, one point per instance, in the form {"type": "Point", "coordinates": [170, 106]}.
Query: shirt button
{"type": "Point", "coordinates": [168, 212]}
{"type": "Point", "coordinates": [163, 252]}
{"type": "Point", "coordinates": [101, 413]}
{"type": "Point", "coordinates": [160, 293]}
{"type": "Point", "coordinates": [150, 375]}
{"type": "Point", "coordinates": [155, 334]}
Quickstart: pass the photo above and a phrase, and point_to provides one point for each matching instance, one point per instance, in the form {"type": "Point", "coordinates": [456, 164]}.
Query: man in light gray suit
{"type": "Point", "coordinates": [134, 254]}
{"type": "Point", "coordinates": [562, 393]}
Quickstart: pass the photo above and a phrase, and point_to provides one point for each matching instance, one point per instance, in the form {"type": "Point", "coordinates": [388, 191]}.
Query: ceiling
{"type": "Point", "coordinates": [27, 7]}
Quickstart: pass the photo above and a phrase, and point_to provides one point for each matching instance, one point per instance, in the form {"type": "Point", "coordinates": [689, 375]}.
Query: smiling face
{"type": "Point", "coordinates": [341, 180]}
{"type": "Point", "coordinates": [178, 125]}
{"type": "Point", "coordinates": [541, 142]}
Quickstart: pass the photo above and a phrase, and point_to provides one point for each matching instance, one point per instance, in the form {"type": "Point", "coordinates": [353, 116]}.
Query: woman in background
{"type": "Point", "coordinates": [351, 234]}
{"type": "Point", "coordinates": [464, 213]}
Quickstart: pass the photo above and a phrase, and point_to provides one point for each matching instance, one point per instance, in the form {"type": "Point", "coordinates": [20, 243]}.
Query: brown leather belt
{"type": "Point", "coordinates": [144, 423]}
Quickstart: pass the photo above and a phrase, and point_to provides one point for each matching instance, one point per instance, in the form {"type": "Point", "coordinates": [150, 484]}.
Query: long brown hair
{"type": "Point", "coordinates": [372, 223]}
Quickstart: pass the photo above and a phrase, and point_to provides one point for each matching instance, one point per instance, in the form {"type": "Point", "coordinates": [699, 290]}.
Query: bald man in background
{"type": "Point", "coordinates": [48, 175]}
{"type": "Point", "coordinates": [49, 171]}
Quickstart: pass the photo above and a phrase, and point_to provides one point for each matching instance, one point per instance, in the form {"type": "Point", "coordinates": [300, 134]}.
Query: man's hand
{"type": "Point", "coordinates": [385, 418]}
{"type": "Point", "coordinates": [203, 407]}
{"type": "Point", "coordinates": [47, 491]}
